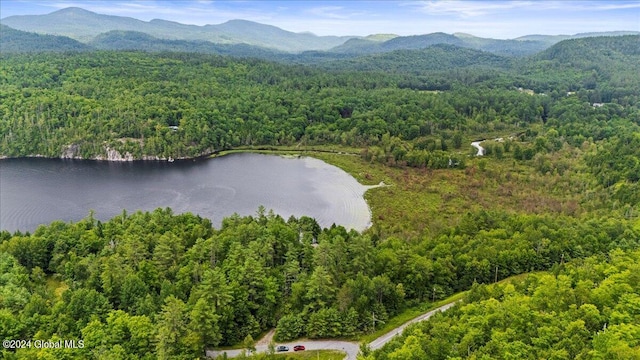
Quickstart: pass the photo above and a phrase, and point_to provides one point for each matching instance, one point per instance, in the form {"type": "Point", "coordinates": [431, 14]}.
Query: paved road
{"type": "Point", "coordinates": [350, 348]}
{"type": "Point", "coordinates": [379, 342]}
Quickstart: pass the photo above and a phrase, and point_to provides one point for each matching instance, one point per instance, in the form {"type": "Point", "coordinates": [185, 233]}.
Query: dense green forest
{"type": "Point", "coordinates": [184, 105]}
{"type": "Point", "coordinates": [13, 40]}
{"type": "Point", "coordinates": [555, 195]}
{"type": "Point", "coordinates": [587, 309]}
{"type": "Point", "coordinates": [165, 285]}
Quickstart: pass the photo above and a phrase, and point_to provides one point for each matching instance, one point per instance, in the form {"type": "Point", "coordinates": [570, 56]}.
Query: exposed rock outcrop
{"type": "Point", "coordinates": [71, 152]}
{"type": "Point", "coordinates": [114, 155]}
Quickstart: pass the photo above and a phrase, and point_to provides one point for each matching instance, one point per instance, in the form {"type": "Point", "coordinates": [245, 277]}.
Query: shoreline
{"type": "Point", "coordinates": [360, 225]}
{"type": "Point", "coordinates": [278, 151]}
{"type": "Point", "coordinates": [115, 160]}
{"type": "Point", "coordinates": [117, 157]}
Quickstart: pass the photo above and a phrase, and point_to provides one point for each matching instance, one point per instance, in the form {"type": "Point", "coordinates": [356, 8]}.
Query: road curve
{"type": "Point", "coordinates": [379, 342]}
{"type": "Point", "coordinates": [350, 348]}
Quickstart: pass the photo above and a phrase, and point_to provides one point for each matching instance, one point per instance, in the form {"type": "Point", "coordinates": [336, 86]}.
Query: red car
{"type": "Point", "coordinates": [298, 348]}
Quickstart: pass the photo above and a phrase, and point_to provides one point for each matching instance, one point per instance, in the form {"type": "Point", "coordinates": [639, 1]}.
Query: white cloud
{"type": "Point", "coordinates": [331, 12]}
{"type": "Point", "coordinates": [630, 5]}
{"type": "Point", "coordinates": [467, 9]}
{"type": "Point", "coordinates": [596, 5]}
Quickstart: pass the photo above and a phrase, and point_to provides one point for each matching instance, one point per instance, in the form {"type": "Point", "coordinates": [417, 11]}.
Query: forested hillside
{"type": "Point", "coordinates": [80, 105]}
{"type": "Point", "coordinates": [586, 309]}
{"type": "Point", "coordinates": [438, 57]}
{"type": "Point", "coordinates": [512, 48]}
{"type": "Point", "coordinates": [556, 194]}
{"type": "Point", "coordinates": [133, 40]}
{"type": "Point", "coordinates": [16, 41]}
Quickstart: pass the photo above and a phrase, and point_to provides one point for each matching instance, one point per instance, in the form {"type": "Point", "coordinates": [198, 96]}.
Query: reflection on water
{"type": "Point", "coordinates": [38, 191]}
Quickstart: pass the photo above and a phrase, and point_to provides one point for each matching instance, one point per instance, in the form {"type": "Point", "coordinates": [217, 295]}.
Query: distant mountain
{"type": "Point", "coordinates": [433, 58]}
{"type": "Point", "coordinates": [592, 50]}
{"type": "Point", "coordinates": [258, 39]}
{"type": "Point", "coordinates": [368, 45]}
{"type": "Point", "coordinates": [76, 23]}
{"type": "Point", "coordinates": [357, 46]}
{"type": "Point", "coordinates": [553, 39]}
{"type": "Point", "coordinates": [253, 33]}
{"type": "Point", "coordinates": [499, 47]}
{"type": "Point", "coordinates": [419, 41]}
{"type": "Point", "coordinates": [134, 40]}
{"type": "Point", "coordinates": [520, 47]}
{"type": "Point", "coordinates": [85, 25]}
{"type": "Point", "coordinates": [380, 37]}
{"type": "Point", "coordinates": [584, 64]}
{"type": "Point", "coordinates": [515, 48]}
{"type": "Point", "coordinates": [16, 41]}
{"type": "Point", "coordinates": [547, 39]}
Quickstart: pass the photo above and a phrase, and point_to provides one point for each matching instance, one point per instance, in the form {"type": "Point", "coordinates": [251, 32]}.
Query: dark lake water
{"type": "Point", "coordinates": [38, 191]}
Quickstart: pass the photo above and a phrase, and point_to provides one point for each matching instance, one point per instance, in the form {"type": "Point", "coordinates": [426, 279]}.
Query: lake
{"type": "Point", "coordinates": [37, 191]}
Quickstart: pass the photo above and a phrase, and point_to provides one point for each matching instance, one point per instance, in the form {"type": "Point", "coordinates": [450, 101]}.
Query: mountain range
{"type": "Point", "coordinates": [85, 26]}
{"type": "Point", "coordinates": [78, 29]}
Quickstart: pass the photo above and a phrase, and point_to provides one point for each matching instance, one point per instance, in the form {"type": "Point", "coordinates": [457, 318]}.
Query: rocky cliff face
{"type": "Point", "coordinates": [71, 152]}
{"type": "Point", "coordinates": [114, 155]}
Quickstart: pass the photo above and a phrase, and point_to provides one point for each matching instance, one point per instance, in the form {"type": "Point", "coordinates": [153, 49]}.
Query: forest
{"type": "Point", "coordinates": [554, 200]}
{"type": "Point", "coordinates": [586, 309]}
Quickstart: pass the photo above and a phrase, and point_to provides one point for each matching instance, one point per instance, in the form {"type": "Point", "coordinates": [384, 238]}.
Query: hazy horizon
{"type": "Point", "coordinates": [493, 19]}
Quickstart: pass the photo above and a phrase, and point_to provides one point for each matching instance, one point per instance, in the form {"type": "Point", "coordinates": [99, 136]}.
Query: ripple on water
{"type": "Point", "coordinates": [146, 199]}
{"type": "Point", "coordinates": [211, 197]}
{"type": "Point", "coordinates": [35, 192]}
{"type": "Point", "coordinates": [26, 216]}
{"type": "Point", "coordinates": [346, 195]}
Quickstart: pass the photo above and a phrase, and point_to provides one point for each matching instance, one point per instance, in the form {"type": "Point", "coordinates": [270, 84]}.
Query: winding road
{"type": "Point", "coordinates": [350, 348]}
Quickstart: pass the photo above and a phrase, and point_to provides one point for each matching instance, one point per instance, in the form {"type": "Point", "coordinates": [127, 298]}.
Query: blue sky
{"type": "Point", "coordinates": [496, 19]}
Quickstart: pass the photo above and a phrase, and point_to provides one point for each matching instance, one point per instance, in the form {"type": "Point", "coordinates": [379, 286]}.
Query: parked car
{"type": "Point", "coordinates": [282, 348]}
{"type": "Point", "coordinates": [298, 348]}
